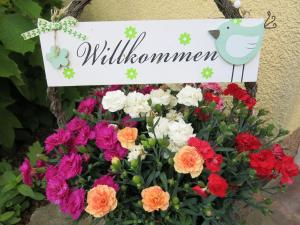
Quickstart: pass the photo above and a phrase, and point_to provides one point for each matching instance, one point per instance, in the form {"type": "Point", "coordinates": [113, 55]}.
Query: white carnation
{"type": "Point", "coordinates": [175, 87]}
{"type": "Point", "coordinates": [189, 96]}
{"type": "Point", "coordinates": [161, 129]}
{"type": "Point", "coordinates": [180, 132]}
{"type": "Point", "coordinates": [136, 104]}
{"type": "Point", "coordinates": [173, 147]}
{"type": "Point", "coordinates": [160, 97]}
{"type": "Point", "coordinates": [173, 115]}
{"type": "Point", "coordinates": [173, 102]}
{"type": "Point", "coordinates": [114, 101]}
{"type": "Point", "coordinates": [135, 152]}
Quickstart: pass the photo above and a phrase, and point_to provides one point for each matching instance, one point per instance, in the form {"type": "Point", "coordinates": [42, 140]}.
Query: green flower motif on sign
{"type": "Point", "coordinates": [58, 57]}
{"type": "Point", "coordinates": [131, 73]}
{"type": "Point", "coordinates": [237, 21]}
{"type": "Point", "coordinates": [207, 72]}
{"type": "Point", "coordinates": [130, 32]}
{"type": "Point", "coordinates": [185, 39]}
{"type": "Point", "coordinates": [69, 73]}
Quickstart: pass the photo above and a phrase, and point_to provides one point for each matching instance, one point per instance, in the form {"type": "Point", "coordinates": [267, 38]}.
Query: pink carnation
{"type": "Point", "coordinates": [70, 165]}
{"type": "Point", "coordinates": [278, 151]}
{"type": "Point", "coordinates": [59, 138]}
{"type": "Point", "coordinates": [40, 164]}
{"type": "Point", "coordinates": [147, 89]}
{"type": "Point", "coordinates": [127, 122]}
{"type": "Point", "coordinates": [87, 106]}
{"type": "Point", "coordinates": [57, 190]}
{"type": "Point", "coordinates": [106, 136]}
{"type": "Point", "coordinates": [107, 180]}
{"type": "Point", "coordinates": [51, 172]}
{"type": "Point", "coordinates": [118, 152]}
{"type": "Point", "coordinates": [215, 87]}
{"type": "Point", "coordinates": [76, 124]}
{"type": "Point", "coordinates": [26, 171]}
{"type": "Point", "coordinates": [73, 204]}
{"type": "Point", "coordinates": [83, 136]}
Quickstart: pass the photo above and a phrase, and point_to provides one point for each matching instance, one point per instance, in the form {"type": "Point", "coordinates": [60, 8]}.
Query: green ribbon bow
{"type": "Point", "coordinates": [65, 25]}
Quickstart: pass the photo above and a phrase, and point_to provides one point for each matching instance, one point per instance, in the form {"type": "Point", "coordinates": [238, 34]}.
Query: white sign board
{"type": "Point", "coordinates": [145, 52]}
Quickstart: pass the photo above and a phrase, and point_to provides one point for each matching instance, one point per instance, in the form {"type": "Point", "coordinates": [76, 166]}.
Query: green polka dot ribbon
{"type": "Point", "coordinates": [64, 25]}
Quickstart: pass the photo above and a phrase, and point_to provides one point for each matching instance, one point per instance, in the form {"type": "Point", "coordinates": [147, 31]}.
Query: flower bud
{"type": "Point", "coordinates": [252, 173]}
{"type": "Point", "coordinates": [124, 175]}
{"type": "Point", "coordinates": [186, 187]}
{"type": "Point", "coordinates": [175, 201]}
{"type": "Point", "coordinates": [116, 163]}
{"type": "Point", "coordinates": [171, 161]}
{"type": "Point", "coordinates": [137, 179]}
{"type": "Point", "coordinates": [171, 182]}
{"type": "Point", "coordinates": [151, 142]}
{"type": "Point", "coordinates": [123, 188]}
{"type": "Point", "coordinates": [163, 143]}
{"type": "Point", "coordinates": [134, 164]}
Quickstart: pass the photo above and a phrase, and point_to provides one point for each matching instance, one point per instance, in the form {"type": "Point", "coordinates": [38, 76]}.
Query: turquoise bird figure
{"type": "Point", "coordinates": [238, 44]}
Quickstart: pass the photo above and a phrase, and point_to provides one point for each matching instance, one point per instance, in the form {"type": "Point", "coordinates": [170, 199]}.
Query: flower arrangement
{"type": "Point", "coordinates": [172, 154]}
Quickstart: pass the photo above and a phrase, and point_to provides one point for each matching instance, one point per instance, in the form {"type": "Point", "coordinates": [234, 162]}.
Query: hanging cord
{"type": "Point", "coordinates": [229, 11]}
{"type": "Point", "coordinates": [73, 9]}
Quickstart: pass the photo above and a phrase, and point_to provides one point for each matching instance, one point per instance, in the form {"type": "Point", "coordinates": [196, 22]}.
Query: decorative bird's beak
{"type": "Point", "coordinates": [214, 33]}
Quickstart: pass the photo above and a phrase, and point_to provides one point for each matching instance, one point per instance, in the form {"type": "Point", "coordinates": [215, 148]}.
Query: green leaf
{"type": "Point", "coordinates": [4, 167]}
{"type": "Point", "coordinates": [8, 67]}
{"type": "Point", "coordinates": [25, 190]}
{"type": "Point", "coordinates": [8, 122]}
{"type": "Point", "coordinates": [38, 196]}
{"type": "Point", "coordinates": [7, 177]}
{"type": "Point", "coordinates": [34, 151]}
{"type": "Point", "coordinates": [11, 28]}
{"type": "Point", "coordinates": [28, 7]}
{"type": "Point", "coordinates": [6, 216]}
{"type": "Point", "coordinates": [13, 220]}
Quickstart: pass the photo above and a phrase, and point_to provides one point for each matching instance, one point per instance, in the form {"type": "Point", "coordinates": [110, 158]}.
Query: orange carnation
{"type": "Point", "coordinates": [127, 136]}
{"type": "Point", "coordinates": [187, 160]}
{"type": "Point", "coordinates": [154, 198]}
{"type": "Point", "coordinates": [101, 200]}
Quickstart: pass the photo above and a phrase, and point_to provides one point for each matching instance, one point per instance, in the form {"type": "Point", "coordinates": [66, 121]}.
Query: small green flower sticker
{"type": "Point", "coordinates": [131, 73]}
{"type": "Point", "coordinates": [130, 32]}
{"type": "Point", "coordinates": [237, 21]}
{"type": "Point", "coordinates": [69, 73]}
{"type": "Point", "coordinates": [207, 72]}
{"type": "Point", "coordinates": [185, 39]}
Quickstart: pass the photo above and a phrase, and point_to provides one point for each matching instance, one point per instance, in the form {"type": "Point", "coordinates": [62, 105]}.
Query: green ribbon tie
{"type": "Point", "coordinates": [65, 25]}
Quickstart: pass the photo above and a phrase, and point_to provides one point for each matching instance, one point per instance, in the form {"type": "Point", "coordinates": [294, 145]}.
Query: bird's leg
{"type": "Point", "coordinates": [243, 72]}
{"type": "Point", "coordinates": [233, 66]}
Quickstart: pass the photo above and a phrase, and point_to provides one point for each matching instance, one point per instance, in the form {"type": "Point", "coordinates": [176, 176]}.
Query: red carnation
{"type": "Point", "coordinates": [246, 142]}
{"type": "Point", "coordinates": [240, 94]}
{"type": "Point", "coordinates": [200, 191]}
{"type": "Point", "coordinates": [288, 169]}
{"type": "Point", "coordinates": [203, 147]}
{"type": "Point", "coordinates": [214, 164]}
{"type": "Point", "coordinates": [217, 185]}
{"type": "Point", "coordinates": [201, 115]}
{"type": "Point", "coordinates": [263, 163]}
{"type": "Point", "coordinates": [208, 96]}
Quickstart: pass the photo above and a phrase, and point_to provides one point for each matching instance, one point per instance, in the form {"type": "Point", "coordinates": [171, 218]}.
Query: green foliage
{"type": "Point", "coordinates": [14, 195]}
{"type": "Point", "coordinates": [24, 109]}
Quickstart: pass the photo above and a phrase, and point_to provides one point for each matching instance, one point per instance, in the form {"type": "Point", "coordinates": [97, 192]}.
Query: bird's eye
{"type": "Point", "coordinates": [227, 28]}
